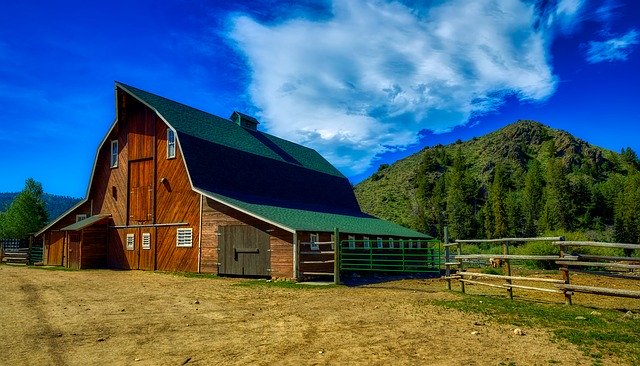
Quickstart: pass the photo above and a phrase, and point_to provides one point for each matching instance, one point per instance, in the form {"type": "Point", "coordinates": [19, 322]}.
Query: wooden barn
{"type": "Point", "coordinates": [174, 188]}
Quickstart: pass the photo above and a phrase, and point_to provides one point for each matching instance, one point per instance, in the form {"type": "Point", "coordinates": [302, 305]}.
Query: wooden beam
{"type": "Point", "coordinates": [555, 238]}
{"type": "Point", "coordinates": [519, 278]}
{"type": "Point", "coordinates": [609, 258]}
{"type": "Point", "coordinates": [598, 264]}
{"type": "Point", "coordinates": [534, 288]}
{"type": "Point", "coordinates": [515, 256]}
{"type": "Point", "coordinates": [596, 244]}
{"type": "Point", "coordinates": [481, 283]}
{"type": "Point", "coordinates": [600, 290]}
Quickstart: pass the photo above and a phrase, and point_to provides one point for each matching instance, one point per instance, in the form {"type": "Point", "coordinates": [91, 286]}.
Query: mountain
{"type": "Point", "coordinates": [456, 185]}
{"type": "Point", "coordinates": [55, 205]}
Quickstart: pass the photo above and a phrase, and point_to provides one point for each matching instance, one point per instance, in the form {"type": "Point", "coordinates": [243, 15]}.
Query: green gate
{"type": "Point", "coordinates": [409, 256]}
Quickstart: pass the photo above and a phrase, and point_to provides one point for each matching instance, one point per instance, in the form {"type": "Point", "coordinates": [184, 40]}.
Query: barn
{"type": "Point", "coordinates": [174, 188]}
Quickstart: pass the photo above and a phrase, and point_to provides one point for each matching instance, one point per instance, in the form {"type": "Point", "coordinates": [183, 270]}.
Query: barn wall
{"type": "Point", "coordinates": [54, 246]}
{"type": "Point", "coordinates": [215, 214]}
{"type": "Point", "coordinates": [94, 247]}
{"type": "Point", "coordinates": [176, 202]}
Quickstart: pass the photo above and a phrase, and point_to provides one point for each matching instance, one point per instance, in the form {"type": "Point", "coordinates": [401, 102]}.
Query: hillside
{"type": "Point", "coordinates": [55, 205]}
{"type": "Point", "coordinates": [420, 190]}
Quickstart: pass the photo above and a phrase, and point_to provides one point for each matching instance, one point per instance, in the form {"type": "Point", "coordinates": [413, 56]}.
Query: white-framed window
{"type": "Point", "coordinates": [367, 242]}
{"type": "Point", "coordinates": [171, 144]}
{"type": "Point", "coordinates": [314, 239]}
{"type": "Point", "coordinates": [114, 153]}
{"type": "Point", "coordinates": [184, 237]}
{"type": "Point", "coordinates": [379, 242]}
{"type": "Point", "coordinates": [131, 241]}
{"type": "Point", "coordinates": [418, 245]}
{"type": "Point", "coordinates": [410, 243]}
{"type": "Point", "coordinates": [146, 240]}
{"type": "Point", "coordinates": [352, 242]}
{"type": "Point", "coordinates": [80, 217]}
{"type": "Point", "coordinates": [401, 243]}
{"type": "Point", "coordinates": [391, 243]}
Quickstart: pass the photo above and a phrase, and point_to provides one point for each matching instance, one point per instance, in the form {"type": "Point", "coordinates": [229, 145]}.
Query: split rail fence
{"type": "Point", "coordinates": [567, 260]}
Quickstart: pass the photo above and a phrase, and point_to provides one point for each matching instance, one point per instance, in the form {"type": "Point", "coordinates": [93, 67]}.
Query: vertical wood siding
{"type": "Point", "coordinates": [215, 215]}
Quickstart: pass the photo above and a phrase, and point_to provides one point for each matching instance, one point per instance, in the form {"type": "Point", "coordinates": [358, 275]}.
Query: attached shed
{"type": "Point", "coordinates": [87, 242]}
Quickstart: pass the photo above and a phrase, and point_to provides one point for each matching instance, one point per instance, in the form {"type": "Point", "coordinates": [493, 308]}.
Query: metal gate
{"type": "Point", "coordinates": [244, 251]}
{"type": "Point", "coordinates": [408, 256]}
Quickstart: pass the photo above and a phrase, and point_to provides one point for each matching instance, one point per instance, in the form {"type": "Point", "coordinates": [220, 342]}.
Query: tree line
{"type": "Point", "coordinates": [545, 195]}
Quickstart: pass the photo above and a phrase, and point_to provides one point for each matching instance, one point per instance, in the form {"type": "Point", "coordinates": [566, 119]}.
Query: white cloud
{"type": "Point", "coordinates": [368, 79]}
{"type": "Point", "coordinates": [614, 49]}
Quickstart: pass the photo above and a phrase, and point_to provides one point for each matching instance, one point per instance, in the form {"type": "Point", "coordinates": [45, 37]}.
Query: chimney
{"type": "Point", "coordinates": [244, 121]}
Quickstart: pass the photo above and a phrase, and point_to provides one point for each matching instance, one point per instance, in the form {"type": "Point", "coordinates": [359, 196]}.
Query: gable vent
{"type": "Point", "coordinates": [245, 121]}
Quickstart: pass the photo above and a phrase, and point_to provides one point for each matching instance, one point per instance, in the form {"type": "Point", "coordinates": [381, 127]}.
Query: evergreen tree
{"type": "Point", "coordinates": [497, 204]}
{"type": "Point", "coordinates": [627, 211]}
{"type": "Point", "coordinates": [459, 211]}
{"type": "Point", "coordinates": [26, 214]}
{"type": "Point", "coordinates": [532, 198]}
{"type": "Point", "coordinates": [557, 209]}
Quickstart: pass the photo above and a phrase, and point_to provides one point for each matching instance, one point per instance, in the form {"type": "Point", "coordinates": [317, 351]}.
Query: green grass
{"type": "Point", "coordinates": [282, 284]}
{"type": "Point", "coordinates": [597, 336]}
{"type": "Point", "coordinates": [55, 268]}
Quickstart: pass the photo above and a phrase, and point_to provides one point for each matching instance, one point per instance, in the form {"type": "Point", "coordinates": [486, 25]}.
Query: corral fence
{"type": "Point", "coordinates": [569, 259]}
{"type": "Point", "coordinates": [20, 251]}
{"type": "Point", "coordinates": [394, 256]}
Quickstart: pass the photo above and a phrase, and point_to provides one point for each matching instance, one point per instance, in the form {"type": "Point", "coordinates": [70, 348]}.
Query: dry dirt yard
{"type": "Point", "coordinates": [102, 317]}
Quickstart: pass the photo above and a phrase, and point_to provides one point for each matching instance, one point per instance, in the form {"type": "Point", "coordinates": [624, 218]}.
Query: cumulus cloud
{"type": "Point", "coordinates": [367, 79]}
{"type": "Point", "coordinates": [614, 49]}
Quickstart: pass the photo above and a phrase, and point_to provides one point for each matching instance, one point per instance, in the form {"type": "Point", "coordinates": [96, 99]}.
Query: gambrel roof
{"type": "Point", "coordinates": [267, 177]}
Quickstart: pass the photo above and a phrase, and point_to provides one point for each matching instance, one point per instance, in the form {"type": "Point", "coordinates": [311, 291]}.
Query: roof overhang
{"type": "Point", "coordinates": [89, 221]}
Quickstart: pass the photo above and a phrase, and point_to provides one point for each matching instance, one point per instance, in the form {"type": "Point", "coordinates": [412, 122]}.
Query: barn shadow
{"type": "Point", "coordinates": [356, 279]}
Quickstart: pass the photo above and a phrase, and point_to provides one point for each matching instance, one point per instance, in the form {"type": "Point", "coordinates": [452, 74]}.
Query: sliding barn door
{"type": "Point", "coordinates": [244, 251]}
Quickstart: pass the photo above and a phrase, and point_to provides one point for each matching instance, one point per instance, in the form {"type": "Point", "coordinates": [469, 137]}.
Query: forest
{"type": "Point", "coordinates": [524, 180]}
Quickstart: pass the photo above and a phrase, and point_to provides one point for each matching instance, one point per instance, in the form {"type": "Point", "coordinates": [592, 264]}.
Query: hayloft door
{"type": "Point", "coordinates": [140, 192]}
{"type": "Point", "coordinates": [244, 251]}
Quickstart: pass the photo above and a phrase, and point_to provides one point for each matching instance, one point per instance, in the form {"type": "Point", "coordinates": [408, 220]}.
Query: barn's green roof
{"type": "Point", "coordinates": [194, 122]}
{"type": "Point", "coordinates": [276, 180]}
{"type": "Point", "coordinates": [304, 220]}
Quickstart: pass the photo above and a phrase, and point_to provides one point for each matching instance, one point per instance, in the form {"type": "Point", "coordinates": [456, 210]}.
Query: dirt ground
{"type": "Point", "coordinates": [101, 317]}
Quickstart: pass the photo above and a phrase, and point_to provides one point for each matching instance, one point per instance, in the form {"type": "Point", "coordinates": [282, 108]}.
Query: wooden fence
{"type": "Point", "coordinates": [567, 260]}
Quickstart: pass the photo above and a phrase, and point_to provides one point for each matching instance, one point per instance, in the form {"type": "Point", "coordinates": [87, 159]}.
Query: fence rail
{"type": "Point", "coordinates": [566, 260]}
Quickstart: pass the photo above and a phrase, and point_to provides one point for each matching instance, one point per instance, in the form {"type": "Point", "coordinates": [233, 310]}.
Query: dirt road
{"type": "Point", "coordinates": [106, 317]}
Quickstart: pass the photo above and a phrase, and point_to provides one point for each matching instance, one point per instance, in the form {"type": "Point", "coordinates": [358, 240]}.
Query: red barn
{"type": "Point", "coordinates": [174, 188]}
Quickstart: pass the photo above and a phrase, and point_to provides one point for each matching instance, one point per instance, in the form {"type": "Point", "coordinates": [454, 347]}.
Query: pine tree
{"type": "Point", "coordinates": [497, 201]}
{"type": "Point", "coordinates": [459, 211]}
{"type": "Point", "coordinates": [557, 209]}
{"type": "Point", "coordinates": [532, 198]}
{"type": "Point", "coordinates": [26, 214]}
{"type": "Point", "coordinates": [627, 211]}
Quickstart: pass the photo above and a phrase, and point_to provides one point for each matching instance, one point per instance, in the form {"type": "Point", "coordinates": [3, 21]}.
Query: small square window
{"type": "Point", "coordinates": [146, 241]}
{"type": "Point", "coordinates": [379, 242]}
{"type": "Point", "coordinates": [171, 144]}
{"type": "Point", "coordinates": [352, 242]}
{"type": "Point", "coordinates": [114, 153]}
{"type": "Point", "coordinates": [80, 217]}
{"type": "Point", "coordinates": [391, 243]}
{"type": "Point", "coordinates": [131, 241]}
{"type": "Point", "coordinates": [367, 243]}
{"type": "Point", "coordinates": [184, 237]}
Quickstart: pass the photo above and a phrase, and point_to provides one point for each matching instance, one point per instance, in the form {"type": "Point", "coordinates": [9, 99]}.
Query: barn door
{"type": "Point", "coordinates": [244, 251]}
{"type": "Point", "coordinates": [73, 260]}
{"type": "Point", "coordinates": [146, 248]}
{"type": "Point", "coordinates": [140, 192]}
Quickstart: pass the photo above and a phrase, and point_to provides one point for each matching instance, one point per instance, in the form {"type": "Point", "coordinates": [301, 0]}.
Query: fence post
{"type": "Point", "coordinates": [447, 258]}
{"type": "Point", "coordinates": [460, 265]}
{"type": "Point", "coordinates": [565, 274]}
{"type": "Point", "coordinates": [336, 256]}
{"type": "Point", "coordinates": [505, 251]}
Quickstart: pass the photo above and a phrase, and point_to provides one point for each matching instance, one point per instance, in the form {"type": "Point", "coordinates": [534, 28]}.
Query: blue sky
{"type": "Point", "coordinates": [363, 82]}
